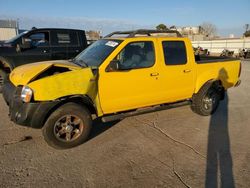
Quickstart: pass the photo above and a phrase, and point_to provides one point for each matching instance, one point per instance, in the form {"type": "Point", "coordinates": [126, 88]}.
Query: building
{"type": "Point", "coordinates": [93, 35]}
{"type": "Point", "coordinates": [190, 30]}
{"type": "Point", "coordinates": [194, 33]}
{"type": "Point", "coordinates": [216, 46]}
{"type": "Point", "coordinates": [8, 29]}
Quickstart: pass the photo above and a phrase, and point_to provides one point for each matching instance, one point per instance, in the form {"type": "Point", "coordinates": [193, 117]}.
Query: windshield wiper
{"type": "Point", "coordinates": [79, 62]}
{"type": "Point", "coordinates": [83, 63]}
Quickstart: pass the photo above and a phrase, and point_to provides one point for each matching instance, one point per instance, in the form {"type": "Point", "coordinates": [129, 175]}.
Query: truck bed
{"type": "Point", "coordinates": [225, 69]}
{"type": "Point", "coordinates": [210, 59]}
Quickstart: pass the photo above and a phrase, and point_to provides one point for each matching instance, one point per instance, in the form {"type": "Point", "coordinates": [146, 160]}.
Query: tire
{"type": "Point", "coordinates": [3, 75]}
{"type": "Point", "coordinates": [68, 126]}
{"type": "Point", "coordinates": [206, 101]}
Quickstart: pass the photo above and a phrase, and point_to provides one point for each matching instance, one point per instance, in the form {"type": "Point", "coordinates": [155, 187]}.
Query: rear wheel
{"type": "Point", "coordinates": [68, 126]}
{"type": "Point", "coordinates": [206, 101]}
{"type": "Point", "coordinates": [3, 75]}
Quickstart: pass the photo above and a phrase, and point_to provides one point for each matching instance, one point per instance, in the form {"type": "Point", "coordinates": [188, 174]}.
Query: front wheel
{"type": "Point", "coordinates": [68, 126]}
{"type": "Point", "coordinates": [206, 101]}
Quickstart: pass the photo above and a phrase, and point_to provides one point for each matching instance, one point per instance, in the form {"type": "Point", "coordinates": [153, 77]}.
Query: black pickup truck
{"type": "Point", "coordinates": [40, 45]}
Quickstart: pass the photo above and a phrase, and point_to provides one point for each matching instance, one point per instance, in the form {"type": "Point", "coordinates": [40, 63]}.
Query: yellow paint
{"type": "Point", "coordinates": [226, 72]}
{"type": "Point", "coordinates": [126, 90]}
{"type": "Point", "coordinates": [77, 82]}
{"type": "Point", "coordinates": [22, 75]}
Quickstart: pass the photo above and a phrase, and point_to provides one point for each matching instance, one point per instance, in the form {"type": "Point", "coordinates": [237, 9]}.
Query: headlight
{"type": "Point", "coordinates": [26, 94]}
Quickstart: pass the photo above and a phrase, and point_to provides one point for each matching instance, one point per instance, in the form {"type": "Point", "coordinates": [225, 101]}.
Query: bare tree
{"type": "Point", "coordinates": [208, 29]}
{"type": "Point", "coordinates": [247, 32]}
{"type": "Point", "coordinates": [246, 27]}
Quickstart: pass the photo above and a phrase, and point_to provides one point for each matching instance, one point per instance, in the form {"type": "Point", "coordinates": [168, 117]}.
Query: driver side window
{"type": "Point", "coordinates": [136, 55]}
{"type": "Point", "coordinates": [39, 39]}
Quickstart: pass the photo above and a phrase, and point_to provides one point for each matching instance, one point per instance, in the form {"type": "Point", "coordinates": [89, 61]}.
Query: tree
{"type": "Point", "coordinates": [209, 29]}
{"type": "Point", "coordinates": [246, 27]}
{"type": "Point", "coordinates": [247, 33]}
{"type": "Point", "coordinates": [161, 27]}
{"type": "Point", "coordinates": [95, 35]}
{"type": "Point", "coordinates": [173, 27]}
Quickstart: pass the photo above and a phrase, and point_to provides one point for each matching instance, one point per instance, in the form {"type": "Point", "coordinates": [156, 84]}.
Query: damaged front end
{"type": "Point", "coordinates": [28, 73]}
{"type": "Point", "coordinates": [30, 114]}
{"type": "Point", "coordinates": [31, 91]}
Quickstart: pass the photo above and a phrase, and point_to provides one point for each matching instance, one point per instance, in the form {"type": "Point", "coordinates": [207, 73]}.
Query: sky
{"type": "Point", "coordinates": [229, 16]}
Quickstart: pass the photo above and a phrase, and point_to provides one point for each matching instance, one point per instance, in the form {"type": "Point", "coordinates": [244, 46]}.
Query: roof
{"type": "Point", "coordinates": [43, 29]}
{"type": "Point", "coordinates": [8, 24]}
{"type": "Point", "coordinates": [143, 32]}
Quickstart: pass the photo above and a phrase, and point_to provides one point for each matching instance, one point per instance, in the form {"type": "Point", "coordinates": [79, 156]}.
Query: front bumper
{"type": "Point", "coordinates": [27, 114]}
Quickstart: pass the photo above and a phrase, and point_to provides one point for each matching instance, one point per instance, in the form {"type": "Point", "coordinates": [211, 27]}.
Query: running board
{"type": "Point", "coordinates": [123, 115]}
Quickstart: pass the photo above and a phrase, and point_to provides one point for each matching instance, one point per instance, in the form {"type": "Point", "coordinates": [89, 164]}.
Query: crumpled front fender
{"type": "Point", "coordinates": [77, 82]}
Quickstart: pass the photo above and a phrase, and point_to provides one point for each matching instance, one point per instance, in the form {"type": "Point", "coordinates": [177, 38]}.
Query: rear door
{"type": "Point", "coordinates": [64, 45]}
{"type": "Point", "coordinates": [74, 47]}
{"type": "Point", "coordinates": [177, 72]}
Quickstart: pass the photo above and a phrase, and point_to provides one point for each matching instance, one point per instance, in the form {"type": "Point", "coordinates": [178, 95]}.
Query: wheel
{"type": "Point", "coordinates": [206, 101]}
{"type": "Point", "coordinates": [68, 126]}
{"type": "Point", "coordinates": [3, 75]}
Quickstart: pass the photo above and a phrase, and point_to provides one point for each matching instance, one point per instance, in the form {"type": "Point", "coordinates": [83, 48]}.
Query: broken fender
{"type": "Point", "coordinates": [25, 74]}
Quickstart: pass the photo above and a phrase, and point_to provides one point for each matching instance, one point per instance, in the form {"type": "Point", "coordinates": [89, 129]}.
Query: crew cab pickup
{"type": "Point", "coordinates": [123, 74]}
{"type": "Point", "coordinates": [40, 45]}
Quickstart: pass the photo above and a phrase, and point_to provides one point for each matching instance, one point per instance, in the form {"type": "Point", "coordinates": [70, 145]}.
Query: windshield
{"type": "Point", "coordinates": [16, 37]}
{"type": "Point", "coordinates": [96, 53]}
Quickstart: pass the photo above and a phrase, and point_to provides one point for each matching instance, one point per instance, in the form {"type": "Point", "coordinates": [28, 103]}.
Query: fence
{"type": "Point", "coordinates": [216, 46]}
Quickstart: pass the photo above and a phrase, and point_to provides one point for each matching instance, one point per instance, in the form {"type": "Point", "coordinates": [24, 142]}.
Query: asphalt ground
{"type": "Point", "coordinates": [170, 148]}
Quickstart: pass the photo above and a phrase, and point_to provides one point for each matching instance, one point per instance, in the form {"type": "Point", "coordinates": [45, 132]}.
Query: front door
{"type": "Point", "coordinates": [134, 83]}
{"type": "Point", "coordinates": [38, 51]}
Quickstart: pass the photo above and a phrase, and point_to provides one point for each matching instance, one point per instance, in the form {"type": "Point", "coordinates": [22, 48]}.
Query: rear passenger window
{"type": "Point", "coordinates": [66, 39]}
{"type": "Point", "coordinates": [174, 52]}
{"type": "Point", "coordinates": [63, 38]}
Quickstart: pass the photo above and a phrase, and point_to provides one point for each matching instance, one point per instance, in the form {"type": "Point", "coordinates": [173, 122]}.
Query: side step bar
{"type": "Point", "coordinates": [119, 116]}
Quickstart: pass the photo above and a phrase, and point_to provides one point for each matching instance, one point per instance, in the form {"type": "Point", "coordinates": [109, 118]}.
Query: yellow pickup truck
{"type": "Point", "coordinates": [123, 74]}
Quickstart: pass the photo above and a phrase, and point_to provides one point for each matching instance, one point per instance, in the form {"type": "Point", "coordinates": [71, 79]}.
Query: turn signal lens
{"type": "Point", "coordinates": [26, 94]}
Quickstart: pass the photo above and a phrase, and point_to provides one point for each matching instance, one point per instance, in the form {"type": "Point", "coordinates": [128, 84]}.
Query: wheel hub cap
{"type": "Point", "coordinates": [68, 128]}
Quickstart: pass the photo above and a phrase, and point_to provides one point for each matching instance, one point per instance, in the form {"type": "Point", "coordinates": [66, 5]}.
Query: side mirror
{"type": "Point", "coordinates": [26, 43]}
{"type": "Point", "coordinates": [113, 66]}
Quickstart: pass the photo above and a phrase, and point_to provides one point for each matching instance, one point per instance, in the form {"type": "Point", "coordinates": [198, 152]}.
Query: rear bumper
{"type": "Point", "coordinates": [26, 114]}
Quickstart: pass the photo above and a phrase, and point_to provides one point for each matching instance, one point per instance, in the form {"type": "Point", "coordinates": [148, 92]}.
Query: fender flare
{"type": "Point", "coordinates": [215, 83]}
{"type": "Point", "coordinates": [78, 99]}
{"type": "Point", "coordinates": [5, 64]}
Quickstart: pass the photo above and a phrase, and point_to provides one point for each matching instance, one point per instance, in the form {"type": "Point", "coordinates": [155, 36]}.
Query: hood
{"type": "Point", "coordinates": [24, 74]}
{"type": "Point", "coordinates": [3, 44]}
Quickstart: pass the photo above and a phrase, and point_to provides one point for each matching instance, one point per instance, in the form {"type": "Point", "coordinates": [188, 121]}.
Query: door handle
{"type": "Point", "coordinates": [154, 74]}
{"type": "Point", "coordinates": [77, 51]}
{"type": "Point", "coordinates": [187, 71]}
{"type": "Point", "coordinates": [45, 51]}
